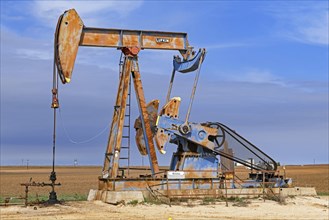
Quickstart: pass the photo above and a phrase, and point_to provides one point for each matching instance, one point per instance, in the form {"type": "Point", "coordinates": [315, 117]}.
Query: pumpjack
{"type": "Point", "coordinates": [206, 152]}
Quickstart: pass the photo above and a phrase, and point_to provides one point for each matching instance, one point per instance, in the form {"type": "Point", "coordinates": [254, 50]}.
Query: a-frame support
{"type": "Point", "coordinates": [112, 155]}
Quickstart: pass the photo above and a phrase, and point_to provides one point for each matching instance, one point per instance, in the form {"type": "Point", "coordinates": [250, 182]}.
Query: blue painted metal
{"type": "Point", "coordinates": [189, 65]}
{"type": "Point", "coordinates": [201, 165]}
{"type": "Point", "coordinates": [194, 153]}
{"type": "Point", "coordinates": [198, 133]}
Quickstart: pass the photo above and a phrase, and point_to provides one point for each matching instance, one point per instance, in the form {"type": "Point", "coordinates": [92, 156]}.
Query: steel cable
{"type": "Point", "coordinates": [79, 142]}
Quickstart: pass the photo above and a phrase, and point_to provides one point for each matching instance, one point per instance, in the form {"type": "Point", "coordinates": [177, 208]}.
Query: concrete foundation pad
{"type": "Point", "coordinates": [92, 194]}
{"type": "Point", "coordinates": [307, 191]}
{"type": "Point", "coordinates": [296, 191]}
{"type": "Point", "coordinates": [249, 192]}
{"type": "Point", "coordinates": [114, 197]}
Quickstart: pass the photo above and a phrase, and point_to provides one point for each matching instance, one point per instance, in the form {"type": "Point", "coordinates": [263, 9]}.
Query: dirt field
{"type": "Point", "coordinates": [75, 180]}
{"type": "Point", "coordinates": [78, 181]}
{"type": "Point", "coordinates": [294, 208]}
{"type": "Point", "coordinates": [311, 175]}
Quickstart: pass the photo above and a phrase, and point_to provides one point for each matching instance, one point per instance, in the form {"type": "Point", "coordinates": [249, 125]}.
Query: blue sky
{"type": "Point", "coordinates": [265, 75]}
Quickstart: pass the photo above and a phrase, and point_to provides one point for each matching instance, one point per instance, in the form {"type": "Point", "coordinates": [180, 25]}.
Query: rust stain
{"type": "Point", "coordinates": [152, 109]}
{"type": "Point", "coordinates": [144, 114]}
{"type": "Point", "coordinates": [206, 132]}
{"type": "Point", "coordinates": [174, 42]}
{"type": "Point", "coordinates": [68, 38]}
{"type": "Point", "coordinates": [161, 138]}
{"type": "Point", "coordinates": [122, 109]}
{"type": "Point", "coordinates": [100, 37]}
{"type": "Point", "coordinates": [131, 39]}
{"type": "Point", "coordinates": [92, 37]}
{"type": "Point", "coordinates": [115, 137]}
{"type": "Point", "coordinates": [139, 138]}
{"type": "Point", "coordinates": [171, 109]}
{"type": "Point", "coordinates": [71, 33]}
{"type": "Point", "coordinates": [189, 187]}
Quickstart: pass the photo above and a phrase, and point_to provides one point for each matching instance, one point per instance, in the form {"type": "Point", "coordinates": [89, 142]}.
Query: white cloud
{"type": "Point", "coordinates": [257, 76]}
{"type": "Point", "coordinates": [12, 17]}
{"type": "Point", "coordinates": [267, 78]}
{"type": "Point", "coordinates": [49, 11]}
{"type": "Point", "coordinates": [24, 47]}
{"type": "Point", "coordinates": [306, 23]}
{"type": "Point", "coordinates": [311, 29]}
{"type": "Point", "coordinates": [34, 54]}
{"type": "Point", "coordinates": [225, 45]}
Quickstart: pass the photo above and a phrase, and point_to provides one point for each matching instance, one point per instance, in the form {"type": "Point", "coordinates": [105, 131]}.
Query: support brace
{"type": "Point", "coordinates": [111, 163]}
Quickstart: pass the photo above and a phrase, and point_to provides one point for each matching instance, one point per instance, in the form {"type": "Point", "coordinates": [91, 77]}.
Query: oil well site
{"type": "Point", "coordinates": [214, 171]}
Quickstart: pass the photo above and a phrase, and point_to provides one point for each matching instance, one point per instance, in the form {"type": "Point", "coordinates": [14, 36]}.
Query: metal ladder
{"type": "Point", "coordinates": [124, 159]}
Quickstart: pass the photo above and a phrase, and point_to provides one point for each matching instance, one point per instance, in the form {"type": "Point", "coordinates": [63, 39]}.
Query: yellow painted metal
{"type": "Point", "coordinates": [170, 109]}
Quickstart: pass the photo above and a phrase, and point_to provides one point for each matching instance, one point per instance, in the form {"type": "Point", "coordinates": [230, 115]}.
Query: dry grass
{"type": "Point", "coordinates": [79, 180]}
{"type": "Point", "coordinates": [74, 180]}
{"type": "Point", "coordinates": [310, 175]}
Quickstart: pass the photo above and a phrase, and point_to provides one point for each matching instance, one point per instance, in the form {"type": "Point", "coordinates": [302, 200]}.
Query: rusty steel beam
{"type": "Point", "coordinates": [111, 162]}
{"type": "Point", "coordinates": [147, 132]}
{"type": "Point", "coordinates": [115, 138]}
{"type": "Point", "coordinates": [71, 33]}
{"type": "Point", "coordinates": [119, 38]}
